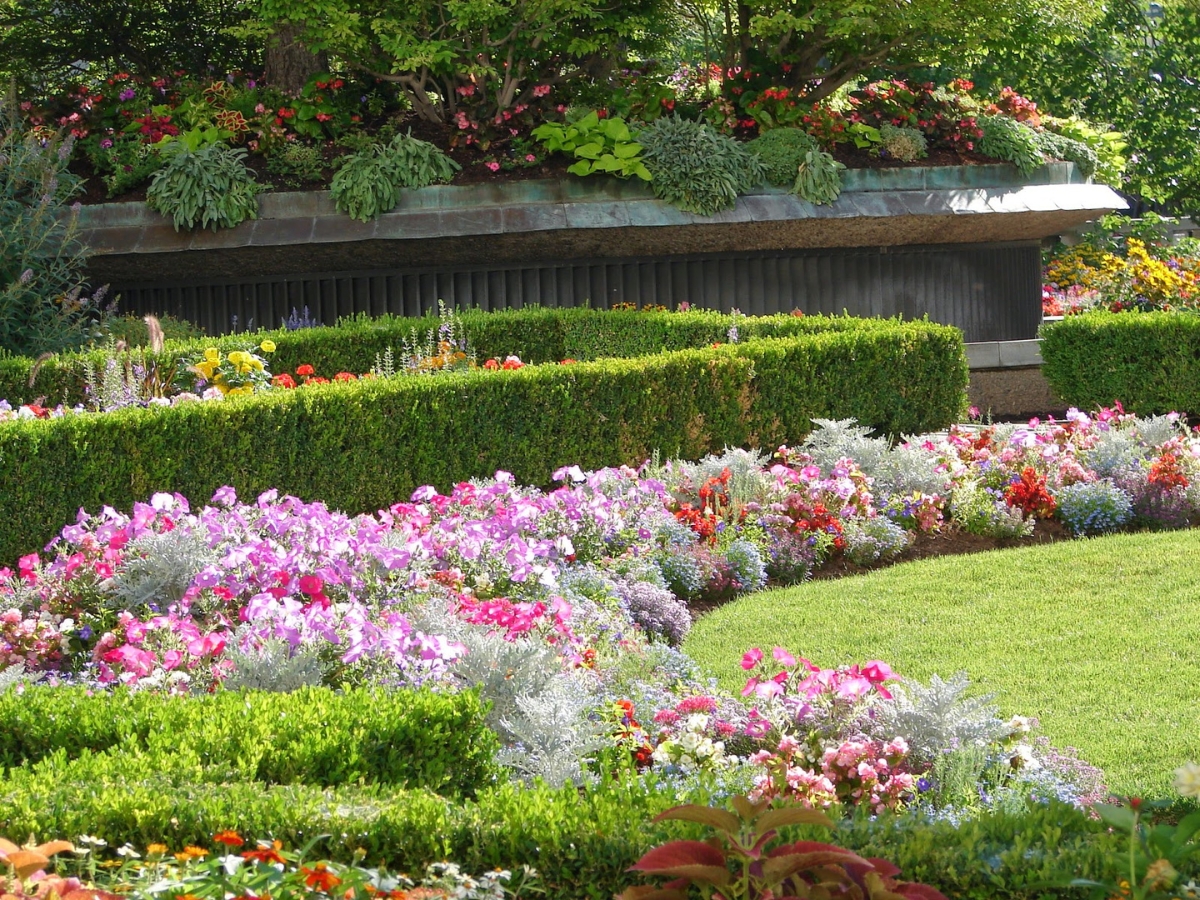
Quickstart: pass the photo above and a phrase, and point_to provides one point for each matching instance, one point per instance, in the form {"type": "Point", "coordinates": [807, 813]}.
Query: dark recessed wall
{"type": "Point", "coordinates": [991, 291]}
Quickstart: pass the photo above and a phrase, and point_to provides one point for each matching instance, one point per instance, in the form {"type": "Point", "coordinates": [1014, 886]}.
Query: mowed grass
{"type": "Point", "coordinates": [1098, 638]}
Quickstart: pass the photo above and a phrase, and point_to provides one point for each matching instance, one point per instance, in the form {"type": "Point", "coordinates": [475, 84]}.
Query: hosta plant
{"type": "Point", "coordinates": [748, 860]}
{"type": "Point", "coordinates": [209, 187]}
{"type": "Point", "coordinates": [598, 145]}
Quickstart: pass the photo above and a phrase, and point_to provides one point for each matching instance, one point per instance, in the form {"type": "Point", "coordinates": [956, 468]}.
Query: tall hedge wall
{"type": "Point", "coordinates": [536, 335]}
{"type": "Point", "coordinates": [365, 445]}
{"type": "Point", "coordinates": [1148, 361]}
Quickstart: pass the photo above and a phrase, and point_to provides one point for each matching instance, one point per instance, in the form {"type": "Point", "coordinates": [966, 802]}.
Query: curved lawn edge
{"type": "Point", "coordinates": [1098, 638]}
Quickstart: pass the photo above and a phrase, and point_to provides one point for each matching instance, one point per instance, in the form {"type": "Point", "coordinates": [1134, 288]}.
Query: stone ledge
{"type": "Point", "coordinates": [1004, 354]}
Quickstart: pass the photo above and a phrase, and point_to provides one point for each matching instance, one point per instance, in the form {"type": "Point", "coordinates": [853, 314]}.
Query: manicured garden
{"type": "Point", "coordinates": [543, 603]}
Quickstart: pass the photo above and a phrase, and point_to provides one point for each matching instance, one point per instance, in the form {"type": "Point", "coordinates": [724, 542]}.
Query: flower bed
{"type": "Point", "coordinates": [562, 608]}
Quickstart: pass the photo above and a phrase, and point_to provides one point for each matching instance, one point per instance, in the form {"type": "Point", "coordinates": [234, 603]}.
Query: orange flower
{"type": "Point", "coordinates": [320, 877]}
{"type": "Point", "coordinates": [265, 853]}
{"type": "Point", "coordinates": [229, 838]}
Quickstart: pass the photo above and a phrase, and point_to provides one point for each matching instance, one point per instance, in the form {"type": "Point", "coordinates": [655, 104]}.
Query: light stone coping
{"type": "Point", "coordinates": [1004, 354]}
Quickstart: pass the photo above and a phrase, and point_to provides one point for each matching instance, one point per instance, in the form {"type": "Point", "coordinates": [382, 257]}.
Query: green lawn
{"type": "Point", "coordinates": [1100, 639]}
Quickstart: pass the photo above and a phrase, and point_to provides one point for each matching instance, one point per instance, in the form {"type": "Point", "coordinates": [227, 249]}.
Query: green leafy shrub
{"type": "Point", "coordinates": [368, 183]}
{"type": "Point", "coordinates": [598, 145]}
{"type": "Point", "coordinates": [1109, 146]}
{"type": "Point", "coordinates": [819, 177]}
{"type": "Point", "coordinates": [697, 168]}
{"type": "Point", "coordinates": [297, 164]}
{"type": "Point", "coordinates": [1059, 146]}
{"type": "Point", "coordinates": [581, 841]}
{"type": "Point", "coordinates": [536, 335]}
{"type": "Point", "coordinates": [1010, 141]}
{"type": "Point", "coordinates": [42, 307]}
{"type": "Point", "coordinates": [209, 187]}
{"type": "Point", "coordinates": [1149, 361]}
{"type": "Point", "coordinates": [133, 331]}
{"type": "Point", "coordinates": [313, 735]}
{"type": "Point", "coordinates": [126, 163]}
{"type": "Point", "coordinates": [902, 143]}
{"type": "Point", "coordinates": [362, 446]}
{"type": "Point", "coordinates": [781, 151]}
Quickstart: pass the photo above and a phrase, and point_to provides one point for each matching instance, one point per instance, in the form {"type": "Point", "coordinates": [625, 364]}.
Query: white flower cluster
{"type": "Point", "coordinates": [693, 750]}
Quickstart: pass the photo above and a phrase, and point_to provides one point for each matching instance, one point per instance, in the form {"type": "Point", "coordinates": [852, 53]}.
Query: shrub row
{"type": "Point", "coordinates": [362, 446]}
{"type": "Point", "coordinates": [315, 736]}
{"type": "Point", "coordinates": [580, 840]}
{"type": "Point", "coordinates": [1148, 361]}
{"type": "Point", "coordinates": [536, 335]}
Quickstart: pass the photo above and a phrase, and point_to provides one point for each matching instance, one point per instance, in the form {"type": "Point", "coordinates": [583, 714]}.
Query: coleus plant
{"type": "Point", "coordinates": [746, 860]}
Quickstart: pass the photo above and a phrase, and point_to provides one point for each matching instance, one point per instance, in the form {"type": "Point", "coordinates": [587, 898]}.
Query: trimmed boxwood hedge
{"type": "Point", "coordinates": [536, 335]}
{"type": "Point", "coordinates": [581, 841]}
{"type": "Point", "coordinates": [362, 446]}
{"type": "Point", "coordinates": [1148, 361]}
{"type": "Point", "coordinates": [415, 739]}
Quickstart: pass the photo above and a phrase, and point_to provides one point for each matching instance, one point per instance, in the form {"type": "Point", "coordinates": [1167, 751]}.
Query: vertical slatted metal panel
{"type": "Point", "coordinates": [992, 292]}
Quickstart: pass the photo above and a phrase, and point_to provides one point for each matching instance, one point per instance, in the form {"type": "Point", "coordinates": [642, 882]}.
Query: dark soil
{"type": "Point", "coordinates": [948, 542]}
{"type": "Point", "coordinates": [855, 158]}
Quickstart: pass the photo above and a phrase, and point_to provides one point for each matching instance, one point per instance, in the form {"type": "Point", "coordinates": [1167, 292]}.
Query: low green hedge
{"type": "Point", "coordinates": [580, 840]}
{"type": "Point", "coordinates": [362, 446]}
{"type": "Point", "coordinates": [314, 736]}
{"type": "Point", "coordinates": [536, 335]}
{"type": "Point", "coordinates": [1148, 361]}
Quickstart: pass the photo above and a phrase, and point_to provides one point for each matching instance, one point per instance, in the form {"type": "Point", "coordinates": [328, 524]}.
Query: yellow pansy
{"type": "Point", "coordinates": [267, 346]}
{"type": "Point", "coordinates": [213, 355]}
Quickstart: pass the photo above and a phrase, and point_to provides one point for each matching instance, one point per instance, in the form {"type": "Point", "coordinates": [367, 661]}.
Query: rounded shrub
{"type": "Point", "coordinates": [695, 167]}
{"type": "Point", "coordinates": [781, 151]}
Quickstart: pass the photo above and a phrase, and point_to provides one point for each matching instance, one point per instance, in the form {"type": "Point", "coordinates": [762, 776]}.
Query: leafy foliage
{"type": "Point", "coordinates": [209, 187]}
{"type": "Point", "coordinates": [599, 145]}
{"type": "Point", "coordinates": [43, 41]}
{"type": "Point", "coordinates": [696, 168]}
{"type": "Point", "coordinates": [42, 307]}
{"type": "Point", "coordinates": [746, 860]}
{"type": "Point", "coordinates": [1059, 146]}
{"type": "Point", "coordinates": [819, 177]}
{"type": "Point", "coordinates": [368, 183]}
{"type": "Point", "coordinates": [297, 164]}
{"type": "Point", "coordinates": [782, 150]}
{"type": "Point", "coordinates": [1011, 141]}
{"type": "Point", "coordinates": [901, 142]}
{"type": "Point", "coordinates": [938, 716]}
{"type": "Point", "coordinates": [310, 736]}
{"type": "Point", "coordinates": [1149, 360]}
{"type": "Point", "coordinates": [480, 59]}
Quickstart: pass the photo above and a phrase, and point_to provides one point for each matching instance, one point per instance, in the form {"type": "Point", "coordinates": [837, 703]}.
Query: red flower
{"type": "Point", "coordinates": [568, 362]}
{"type": "Point", "coordinates": [345, 376]}
{"type": "Point", "coordinates": [305, 369]}
{"type": "Point", "coordinates": [311, 584]}
{"type": "Point", "coordinates": [265, 853]}
{"type": "Point", "coordinates": [283, 380]}
{"type": "Point", "coordinates": [229, 838]}
{"type": "Point", "coordinates": [491, 364]}
{"type": "Point", "coordinates": [320, 877]}
{"type": "Point", "coordinates": [318, 380]}
{"type": "Point", "coordinates": [1030, 495]}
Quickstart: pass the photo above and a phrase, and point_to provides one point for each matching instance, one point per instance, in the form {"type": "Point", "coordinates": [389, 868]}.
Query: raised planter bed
{"type": "Point", "coordinates": [960, 244]}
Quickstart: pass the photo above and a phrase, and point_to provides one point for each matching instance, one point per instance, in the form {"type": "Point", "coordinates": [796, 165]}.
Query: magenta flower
{"type": "Point", "coordinates": [751, 658]}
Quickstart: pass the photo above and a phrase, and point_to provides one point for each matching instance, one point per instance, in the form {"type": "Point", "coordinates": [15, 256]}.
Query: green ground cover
{"type": "Point", "coordinates": [1099, 639]}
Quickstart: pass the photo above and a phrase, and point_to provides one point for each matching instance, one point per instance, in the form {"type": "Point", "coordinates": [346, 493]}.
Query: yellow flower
{"type": "Point", "coordinates": [256, 364]}
{"type": "Point", "coordinates": [237, 357]}
{"type": "Point", "coordinates": [213, 355]}
{"type": "Point", "coordinates": [205, 368]}
{"type": "Point", "coordinates": [267, 346]}
{"type": "Point", "coordinates": [244, 389]}
{"type": "Point", "coordinates": [156, 850]}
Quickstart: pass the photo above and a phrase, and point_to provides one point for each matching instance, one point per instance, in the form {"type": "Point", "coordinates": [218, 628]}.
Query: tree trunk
{"type": "Point", "coordinates": [289, 64]}
{"type": "Point", "coordinates": [744, 35]}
